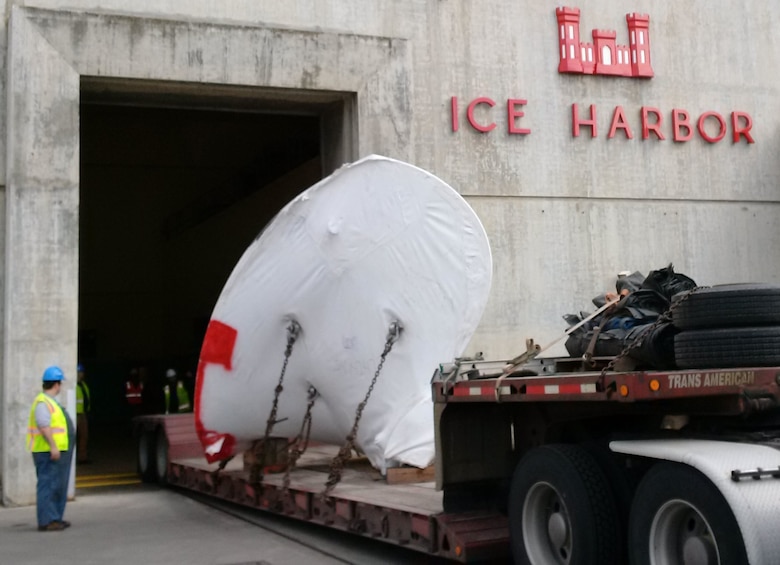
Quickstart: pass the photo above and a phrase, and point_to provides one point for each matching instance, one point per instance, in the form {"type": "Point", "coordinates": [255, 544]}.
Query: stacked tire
{"type": "Point", "coordinates": [732, 325]}
{"type": "Point", "coordinates": [578, 504]}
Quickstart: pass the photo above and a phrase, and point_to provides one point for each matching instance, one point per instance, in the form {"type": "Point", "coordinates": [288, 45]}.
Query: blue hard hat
{"type": "Point", "coordinates": [79, 367]}
{"type": "Point", "coordinates": [53, 373]}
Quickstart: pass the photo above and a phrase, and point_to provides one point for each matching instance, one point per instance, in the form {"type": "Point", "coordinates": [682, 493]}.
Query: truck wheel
{"type": "Point", "coordinates": [679, 516]}
{"type": "Point", "coordinates": [729, 305]}
{"type": "Point", "coordinates": [146, 456]}
{"type": "Point", "coordinates": [621, 482]}
{"type": "Point", "coordinates": [161, 456]}
{"type": "Point", "coordinates": [728, 347]}
{"type": "Point", "coordinates": [561, 510]}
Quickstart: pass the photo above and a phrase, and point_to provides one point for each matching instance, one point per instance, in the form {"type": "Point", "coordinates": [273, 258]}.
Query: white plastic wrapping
{"type": "Point", "coordinates": [378, 241]}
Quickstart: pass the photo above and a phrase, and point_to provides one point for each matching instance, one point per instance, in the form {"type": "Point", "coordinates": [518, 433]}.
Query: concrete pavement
{"type": "Point", "coordinates": [145, 524]}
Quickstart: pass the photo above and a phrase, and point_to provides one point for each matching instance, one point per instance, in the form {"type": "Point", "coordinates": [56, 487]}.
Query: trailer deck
{"type": "Point", "coordinates": [409, 515]}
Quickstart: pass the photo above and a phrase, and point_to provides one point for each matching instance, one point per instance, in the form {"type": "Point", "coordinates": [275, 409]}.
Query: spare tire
{"type": "Point", "coordinates": [729, 305]}
{"type": "Point", "coordinates": [728, 347]}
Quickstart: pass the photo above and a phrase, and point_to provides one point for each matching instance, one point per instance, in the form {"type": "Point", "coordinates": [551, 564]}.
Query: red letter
{"type": "Point", "coordinates": [721, 121]}
{"type": "Point", "coordinates": [470, 115]}
{"type": "Point", "coordinates": [619, 122]}
{"type": "Point", "coordinates": [454, 112]}
{"type": "Point", "coordinates": [655, 127]}
{"type": "Point", "coordinates": [513, 113]}
{"type": "Point", "coordinates": [576, 122]}
{"type": "Point", "coordinates": [681, 120]}
{"type": "Point", "coordinates": [737, 131]}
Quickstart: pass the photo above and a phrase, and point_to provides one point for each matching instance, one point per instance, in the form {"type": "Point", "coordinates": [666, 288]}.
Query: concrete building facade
{"type": "Point", "coordinates": [575, 176]}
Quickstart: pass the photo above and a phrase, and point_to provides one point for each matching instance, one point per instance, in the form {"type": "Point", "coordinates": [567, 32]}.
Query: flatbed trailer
{"type": "Point", "coordinates": [409, 514]}
{"type": "Point", "coordinates": [614, 427]}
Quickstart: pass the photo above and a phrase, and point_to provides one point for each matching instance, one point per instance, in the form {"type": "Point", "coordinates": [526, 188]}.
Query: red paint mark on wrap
{"type": "Point", "coordinates": [218, 345]}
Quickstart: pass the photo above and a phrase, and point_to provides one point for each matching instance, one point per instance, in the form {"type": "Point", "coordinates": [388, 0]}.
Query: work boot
{"type": "Point", "coordinates": [52, 527]}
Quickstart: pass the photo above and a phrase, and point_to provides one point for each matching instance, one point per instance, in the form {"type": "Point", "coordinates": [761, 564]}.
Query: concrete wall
{"type": "Point", "coordinates": [48, 54]}
{"type": "Point", "coordinates": [563, 214]}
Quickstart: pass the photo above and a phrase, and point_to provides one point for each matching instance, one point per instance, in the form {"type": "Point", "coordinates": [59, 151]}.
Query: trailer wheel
{"type": "Point", "coordinates": [146, 456]}
{"type": "Point", "coordinates": [161, 456]}
{"type": "Point", "coordinates": [561, 510]}
{"type": "Point", "coordinates": [729, 305]}
{"type": "Point", "coordinates": [679, 516]}
{"type": "Point", "coordinates": [728, 347]}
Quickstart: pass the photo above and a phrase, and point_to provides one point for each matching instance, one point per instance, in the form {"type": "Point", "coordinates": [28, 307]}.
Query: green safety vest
{"type": "Point", "coordinates": [82, 392]}
{"type": "Point", "coordinates": [181, 396]}
{"type": "Point", "coordinates": [184, 397]}
{"type": "Point", "coordinates": [36, 442]}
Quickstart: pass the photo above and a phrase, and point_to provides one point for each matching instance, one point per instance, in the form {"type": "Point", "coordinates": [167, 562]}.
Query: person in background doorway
{"type": "Point", "coordinates": [134, 390]}
{"type": "Point", "coordinates": [189, 386]}
{"type": "Point", "coordinates": [50, 437]}
{"type": "Point", "coordinates": [83, 408]}
{"type": "Point", "coordinates": [177, 399]}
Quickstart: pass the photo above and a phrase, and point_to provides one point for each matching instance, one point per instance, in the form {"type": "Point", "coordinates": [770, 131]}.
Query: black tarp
{"type": "Point", "coordinates": [631, 319]}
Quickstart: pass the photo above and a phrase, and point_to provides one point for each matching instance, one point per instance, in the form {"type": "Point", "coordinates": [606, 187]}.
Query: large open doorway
{"type": "Point", "coordinates": [175, 182]}
{"type": "Point", "coordinates": [60, 62]}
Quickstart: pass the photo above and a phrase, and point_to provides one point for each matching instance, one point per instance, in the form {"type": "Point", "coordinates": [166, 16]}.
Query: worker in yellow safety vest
{"type": "Point", "coordinates": [178, 402]}
{"type": "Point", "coordinates": [83, 408]}
{"type": "Point", "coordinates": [50, 435]}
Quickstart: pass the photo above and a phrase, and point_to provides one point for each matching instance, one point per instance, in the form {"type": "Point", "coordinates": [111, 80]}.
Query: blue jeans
{"type": "Point", "coordinates": [52, 490]}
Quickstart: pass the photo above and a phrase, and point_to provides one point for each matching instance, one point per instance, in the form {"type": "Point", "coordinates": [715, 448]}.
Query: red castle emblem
{"type": "Point", "coordinates": [604, 56]}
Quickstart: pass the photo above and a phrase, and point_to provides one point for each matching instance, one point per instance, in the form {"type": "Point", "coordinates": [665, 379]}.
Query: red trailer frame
{"type": "Point", "coordinates": [479, 412]}
{"type": "Point", "coordinates": [408, 515]}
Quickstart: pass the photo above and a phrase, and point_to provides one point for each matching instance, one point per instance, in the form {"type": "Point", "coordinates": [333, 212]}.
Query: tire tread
{"type": "Point", "coordinates": [576, 470]}
{"type": "Point", "coordinates": [732, 305]}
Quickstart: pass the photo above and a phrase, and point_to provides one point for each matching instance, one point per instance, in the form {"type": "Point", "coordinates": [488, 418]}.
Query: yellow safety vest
{"type": "Point", "coordinates": [80, 397]}
{"type": "Point", "coordinates": [181, 395]}
{"type": "Point", "coordinates": [184, 397]}
{"type": "Point", "coordinates": [36, 442]}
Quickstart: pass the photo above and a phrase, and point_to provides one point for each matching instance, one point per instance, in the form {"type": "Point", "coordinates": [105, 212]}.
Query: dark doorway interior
{"type": "Point", "coordinates": [170, 198]}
